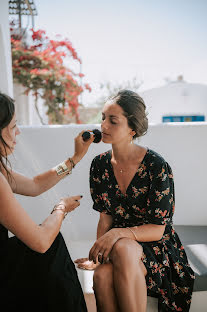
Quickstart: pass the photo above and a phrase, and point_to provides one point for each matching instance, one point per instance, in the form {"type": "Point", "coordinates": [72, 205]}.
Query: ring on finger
{"type": "Point", "coordinates": [100, 257]}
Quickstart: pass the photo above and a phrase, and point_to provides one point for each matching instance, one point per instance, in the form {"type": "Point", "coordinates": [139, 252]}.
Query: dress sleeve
{"type": "Point", "coordinates": [97, 189]}
{"type": "Point", "coordinates": [160, 202]}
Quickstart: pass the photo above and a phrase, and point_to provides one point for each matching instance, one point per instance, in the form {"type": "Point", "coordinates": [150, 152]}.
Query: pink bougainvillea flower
{"type": "Point", "coordinates": [40, 68]}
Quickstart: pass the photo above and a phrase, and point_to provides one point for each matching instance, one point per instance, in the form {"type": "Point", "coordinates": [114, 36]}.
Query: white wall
{"type": "Point", "coordinates": [21, 105]}
{"type": "Point", "coordinates": [6, 84]}
{"type": "Point", "coordinates": [183, 146]}
{"type": "Point", "coordinates": [25, 107]}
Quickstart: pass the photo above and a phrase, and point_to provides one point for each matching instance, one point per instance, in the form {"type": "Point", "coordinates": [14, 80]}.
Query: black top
{"type": "Point", "coordinates": [31, 281]}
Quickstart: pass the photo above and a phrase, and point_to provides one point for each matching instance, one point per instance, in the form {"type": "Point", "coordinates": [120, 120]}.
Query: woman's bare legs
{"type": "Point", "coordinates": [120, 285]}
{"type": "Point", "coordinates": [103, 285]}
{"type": "Point", "coordinates": [129, 275]}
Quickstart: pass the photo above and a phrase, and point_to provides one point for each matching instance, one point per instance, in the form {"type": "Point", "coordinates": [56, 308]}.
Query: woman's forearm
{"type": "Point", "coordinates": [104, 225]}
{"type": "Point", "coordinates": [45, 181]}
{"type": "Point", "coordinates": [40, 183]}
{"type": "Point", "coordinates": [102, 229]}
{"type": "Point", "coordinates": [143, 233]}
{"type": "Point", "coordinates": [49, 229]}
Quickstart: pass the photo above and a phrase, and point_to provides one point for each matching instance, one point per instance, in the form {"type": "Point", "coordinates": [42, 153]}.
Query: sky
{"type": "Point", "coordinates": [118, 40]}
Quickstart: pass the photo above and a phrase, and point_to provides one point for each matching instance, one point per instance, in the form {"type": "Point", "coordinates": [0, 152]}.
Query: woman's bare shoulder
{"type": "Point", "coordinates": [3, 180]}
{"type": "Point", "coordinates": [5, 188]}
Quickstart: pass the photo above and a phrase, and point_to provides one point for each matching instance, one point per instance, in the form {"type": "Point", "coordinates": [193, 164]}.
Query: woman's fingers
{"type": "Point", "coordinates": [81, 146]}
{"type": "Point", "coordinates": [81, 260]}
{"type": "Point", "coordinates": [100, 253]}
{"type": "Point", "coordinates": [93, 253]}
{"type": "Point", "coordinates": [71, 202]}
{"type": "Point", "coordinates": [89, 268]}
{"type": "Point", "coordinates": [96, 254]}
{"type": "Point", "coordinates": [77, 198]}
{"type": "Point", "coordinates": [105, 257]}
{"type": "Point", "coordinates": [85, 265]}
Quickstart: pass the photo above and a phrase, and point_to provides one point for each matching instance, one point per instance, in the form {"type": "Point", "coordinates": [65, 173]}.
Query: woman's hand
{"type": "Point", "coordinates": [71, 203]}
{"type": "Point", "coordinates": [86, 264]}
{"type": "Point", "coordinates": [103, 246]}
{"type": "Point", "coordinates": [81, 147]}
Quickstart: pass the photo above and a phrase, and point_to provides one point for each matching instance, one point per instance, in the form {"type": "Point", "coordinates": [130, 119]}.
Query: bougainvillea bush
{"type": "Point", "coordinates": [40, 67]}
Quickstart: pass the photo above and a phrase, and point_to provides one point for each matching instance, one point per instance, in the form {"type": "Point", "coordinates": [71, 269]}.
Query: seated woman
{"type": "Point", "coordinates": [137, 251]}
{"type": "Point", "coordinates": [36, 271]}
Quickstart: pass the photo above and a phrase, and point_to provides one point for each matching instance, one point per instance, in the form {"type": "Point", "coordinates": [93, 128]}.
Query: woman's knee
{"type": "Point", "coordinates": [103, 276]}
{"type": "Point", "coordinates": [126, 248]}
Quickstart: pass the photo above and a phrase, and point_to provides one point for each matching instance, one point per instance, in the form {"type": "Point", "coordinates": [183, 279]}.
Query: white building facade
{"type": "Point", "coordinates": [176, 101]}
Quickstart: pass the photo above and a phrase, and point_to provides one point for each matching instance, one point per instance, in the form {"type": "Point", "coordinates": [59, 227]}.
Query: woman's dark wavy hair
{"type": "Point", "coordinates": [134, 110]}
{"type": "Point", "coordinates": [7, 110]}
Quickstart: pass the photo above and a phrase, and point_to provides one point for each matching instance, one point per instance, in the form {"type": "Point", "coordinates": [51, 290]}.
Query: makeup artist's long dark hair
{"type": "Point", "coordinates": [7, 110]}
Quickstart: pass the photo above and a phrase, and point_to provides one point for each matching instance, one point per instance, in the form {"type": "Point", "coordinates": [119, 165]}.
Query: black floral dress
{"type": "Point", "coordinates": [149, 199]}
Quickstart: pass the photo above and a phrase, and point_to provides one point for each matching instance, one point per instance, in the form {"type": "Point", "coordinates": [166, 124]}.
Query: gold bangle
{"type": "Point", "coordinates": [57, 207]}
{"type": "Point", "coordinates": [63, 168]}
{"type": "Point", "coordinates": [132, 233]}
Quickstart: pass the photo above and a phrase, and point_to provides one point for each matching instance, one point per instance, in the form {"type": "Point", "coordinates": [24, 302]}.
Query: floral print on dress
{"type": "Point", "coordinates": [149, 199]}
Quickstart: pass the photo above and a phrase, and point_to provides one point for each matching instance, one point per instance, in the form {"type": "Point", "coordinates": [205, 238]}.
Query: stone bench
{"type": "Point", "coordinates": [194, 239]}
